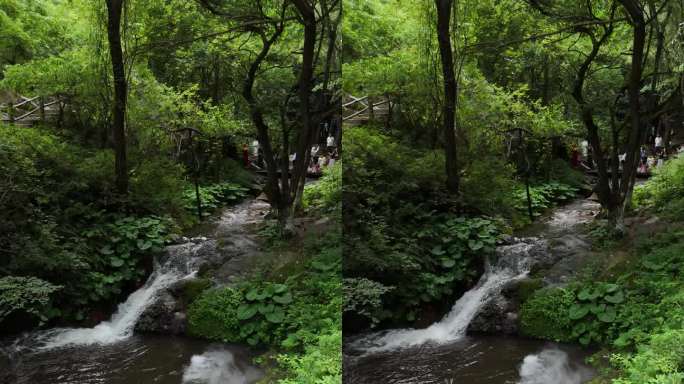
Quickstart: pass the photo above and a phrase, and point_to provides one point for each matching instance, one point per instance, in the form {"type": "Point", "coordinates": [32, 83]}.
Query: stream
{"type": "Point", "coordinates": [112, 353]}
{"type": "Point", "coordinates": [445, 353]}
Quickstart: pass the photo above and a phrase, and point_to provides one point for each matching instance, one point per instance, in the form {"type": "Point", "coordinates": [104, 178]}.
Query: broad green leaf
{"type": "Point", "coordinates": [608, 316]}
{"type": "Point", "coordinates": [246, 311]}
{"type": "Point", "coordinates": [276, 316]}
{"type": "Point", "coordinates": [615, 298]}
{"type": "Point", "coordinates": [116, 262]}
{"type": "Point", "coordinates": [252, 294]}
{"type": "Point", "coordinates": [578, 311]}
{"type": "Point", "coordinates": [284, 299]}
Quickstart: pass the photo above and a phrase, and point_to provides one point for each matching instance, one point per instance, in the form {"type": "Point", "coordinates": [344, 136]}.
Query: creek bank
{"type": "Point", "coordinates": [225, 255]}
{"type": "Point", "coordinates": [560, 252]}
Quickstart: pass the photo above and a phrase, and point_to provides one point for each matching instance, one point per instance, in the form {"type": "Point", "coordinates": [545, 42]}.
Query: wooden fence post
{"type": "Point", "coordinates": [371, 113]}
{"type": "Point", "coordinates": [41, 102]}
{"type": "Point", "coordinates": [10, 112]}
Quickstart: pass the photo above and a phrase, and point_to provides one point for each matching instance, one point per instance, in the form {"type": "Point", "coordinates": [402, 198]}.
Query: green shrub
{"type": "Point", "coordinates": [486, 186]}
{"type": "Point", "coordinates": [321, 362]}
{"type": "Point", "coordinates": [545, 314]}
{"type": "Point", "coordinates": [193, 288]}
{"type": "Point", "coordinates": [660, 361]}
{"type": "Point", "coordinates": [213, 315]}
{"type": "Point", "coordinates": [326, 194]}
{"type": "Point", "coordinates": [664, 191]}
{"type": "Point", "coordinates": [28, 295]}
{"type": "Point", "coordinates": [595, 312]}
{"type": "Point", "coordinates": [363, 297]}
{"type": "Point", "coordinates": [526, 288]}
{"type": "Point", "coordinates": [156, 185]}
{"type": "Point", "coordinates": [543, 197]}
{"type": "Point", "coordinates": [213, 196]}
{"type": "Point", "coordinates": [561, 171]}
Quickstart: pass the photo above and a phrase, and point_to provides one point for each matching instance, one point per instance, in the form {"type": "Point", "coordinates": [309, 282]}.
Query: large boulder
{"type": "Point", "coordinates": [166, 315]}
{"type": "Point", "coordinates": [499, 316]}
{"type": "Point", "coordinates": [6, 371]}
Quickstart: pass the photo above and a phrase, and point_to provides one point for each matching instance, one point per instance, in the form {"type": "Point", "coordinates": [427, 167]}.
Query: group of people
{"type": "Point", "coordinates": [252, 155]}
{"type": "Point", "coordinates": [656, 158]}
{"type": "Point", "coordinates": [649, 158]}
{"type": "Point", "coordinates": [321, 157]}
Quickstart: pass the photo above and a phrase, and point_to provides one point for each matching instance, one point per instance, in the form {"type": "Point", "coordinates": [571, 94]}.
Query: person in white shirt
{"type": "Point", "coordinates": [658, 143]}
{"type": "Point", "coordinates": [330, 142]}
{"type": "Point", "coordinates": [254, 148]}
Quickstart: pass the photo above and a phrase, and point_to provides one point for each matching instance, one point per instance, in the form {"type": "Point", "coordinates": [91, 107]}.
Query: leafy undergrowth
{"type": "Point", "coordinates": [543, 197]}
{"type": "Point", "coordinates": [293, 304]}
{"type": "Point", "coordinates": [635, 308]}
{"type": "Point", "coordinates": [298, 316]}
{"type": "Point", "coordinates": [409, 245]}
{"type": "Point", "coordinates": [213, 196]}
{"type": "Point", "coordinates": [68, 239]}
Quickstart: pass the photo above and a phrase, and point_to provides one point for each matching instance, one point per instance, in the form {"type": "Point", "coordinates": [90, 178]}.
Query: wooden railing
{"type": "Point", "coordinates": [30, 110]}
{"type": "Point", "coordinates": [362, 109]}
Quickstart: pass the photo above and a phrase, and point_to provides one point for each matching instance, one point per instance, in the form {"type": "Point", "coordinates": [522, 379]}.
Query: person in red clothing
{"type": "Point", "coordinates": [245, 155]}
{"type": "Point", "coordinates": [575, 159]}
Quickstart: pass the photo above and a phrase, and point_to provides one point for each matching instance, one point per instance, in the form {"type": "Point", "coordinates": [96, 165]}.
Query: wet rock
{"type": "Point", "coordinates": [505, 240]}
{"type": "Point", "coordinates": [6, 371]}
{"type": "Point", "coordinates": [165, 315]}
{"type": "Point", "coordinates": [499, 316]}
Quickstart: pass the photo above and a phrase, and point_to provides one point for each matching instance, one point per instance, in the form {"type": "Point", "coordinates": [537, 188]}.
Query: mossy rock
{"type": "Point", "coordinates": [213, 315]}
{"type": "Point", "coordinates": [527, 287]}
{"type": "Point", "coordinates": [545, 315]}
{"type": "Point", "coordinates": [193, 288]}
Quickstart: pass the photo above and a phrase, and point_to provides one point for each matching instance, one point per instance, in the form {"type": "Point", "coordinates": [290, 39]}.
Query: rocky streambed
{"type": "Point", "coordinates": [127, 347]}
{"type": "Point", "coordinates": [478, 342]}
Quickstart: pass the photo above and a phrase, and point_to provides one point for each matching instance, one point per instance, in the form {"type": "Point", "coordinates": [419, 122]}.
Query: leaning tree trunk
{"type": "Point", "coordinates": [450, 90]}
{"type": "Point", "coordinates": [114, 12]}
{"type": "Point", "coordinates": [307, 129]}
{"type": "Point", "coordinates": [272, 189]}
{"type": "Point", "coordinates": [636, 134]}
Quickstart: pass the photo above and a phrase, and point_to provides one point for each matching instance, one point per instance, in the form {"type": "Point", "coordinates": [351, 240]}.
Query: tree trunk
{"type": "Point", "coordinates": [272, 189]}
{"type": "Point", "coordinates": [307, 132]}
{"type": "Point", "coordinates": [450, 90]}
{"type": "Point", "coordinates": [114, 12]}
{"type": "Point", "coordinates": [636, 134]}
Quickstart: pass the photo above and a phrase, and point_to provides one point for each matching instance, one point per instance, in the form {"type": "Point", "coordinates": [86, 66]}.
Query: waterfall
{"type": "Point", "coordinates": [218, 367]}
{"type": "Point", "coordinates": [513, 262]}
{"type": "Point", "coordinates": [181, 263]}
{"type": "Point", "coordinates": [551, 366]}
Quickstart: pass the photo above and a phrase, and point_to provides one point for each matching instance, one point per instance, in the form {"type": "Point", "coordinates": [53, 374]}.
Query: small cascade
{"type": "Point", "coordinates": [512, 262]}
{"type": "Point", "coordinates": [180, 263]}
{"type": "Point", "coordinates": [218, 367]}
{"type": "Point", "coordinates": [552, 366]}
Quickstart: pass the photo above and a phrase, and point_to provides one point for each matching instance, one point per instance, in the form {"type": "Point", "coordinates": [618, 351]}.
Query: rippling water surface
{"type": "Point", "coordinates": [471, 360]}
{"type": "Point", "coordinates": [139, 359]}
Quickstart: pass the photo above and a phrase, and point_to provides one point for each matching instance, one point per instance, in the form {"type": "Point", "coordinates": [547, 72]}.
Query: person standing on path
{"type": "Point", "coordinates": [330, 143]}
{"type": "Point", "coordinates": [245, 155]}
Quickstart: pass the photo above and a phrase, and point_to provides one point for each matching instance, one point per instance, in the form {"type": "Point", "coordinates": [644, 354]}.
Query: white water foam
{"type": "Point", "coordinates": [551, 366]}
{"type": "Point", "coordinates": [218, 367]}
{"type": "Point", "coordinates": [513, 264]}
{"type": "Point", "coordinates": [180, 264]}
{"type": "Point", "coordinates": [121, 324]}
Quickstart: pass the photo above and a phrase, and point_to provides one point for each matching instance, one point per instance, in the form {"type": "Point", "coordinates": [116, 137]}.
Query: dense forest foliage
{"type": "Point", "coordinates": [146, 109]}
{"type": "Point", "coordinates": [128, 127]}
{"type": "Point", "coordinates": [428, 192]}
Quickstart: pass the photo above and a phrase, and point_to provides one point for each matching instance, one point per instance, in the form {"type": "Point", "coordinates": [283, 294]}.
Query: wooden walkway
{"type": "Point", "coordinates": [361, 110]}
{"type": "Point", "coordinates": [30, 111]}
